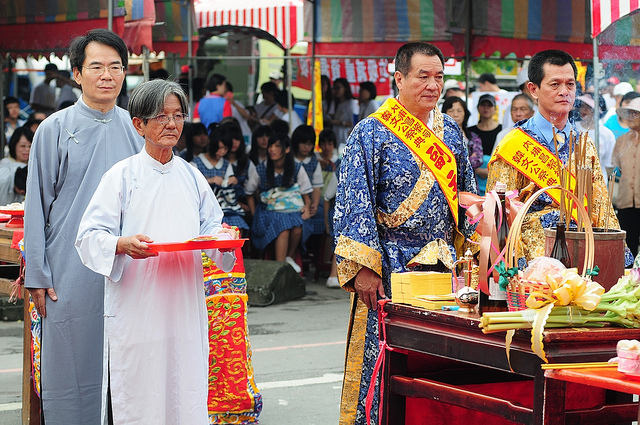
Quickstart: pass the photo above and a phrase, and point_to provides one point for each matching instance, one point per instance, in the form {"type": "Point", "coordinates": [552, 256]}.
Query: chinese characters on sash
{"type": "Point", "coordinates": [426, 145]}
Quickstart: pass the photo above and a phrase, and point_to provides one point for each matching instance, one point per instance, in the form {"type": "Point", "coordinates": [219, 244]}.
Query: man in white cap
{"type": "Point", "coordinates": [618, 92]}
{"type": "Point", "coordinates": [585, 105]}
{"type": "Point", "coordinates": [276, 78]}
{"type": "Point", "coordinates": [453, 88]}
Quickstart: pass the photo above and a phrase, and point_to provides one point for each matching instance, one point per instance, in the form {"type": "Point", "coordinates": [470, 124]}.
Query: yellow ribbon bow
{"type": "Point", "coordinates": [571, 289]}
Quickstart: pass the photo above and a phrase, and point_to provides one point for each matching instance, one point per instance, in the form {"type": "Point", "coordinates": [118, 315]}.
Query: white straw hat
{"type": "Point", "coordinates": [634, 105]}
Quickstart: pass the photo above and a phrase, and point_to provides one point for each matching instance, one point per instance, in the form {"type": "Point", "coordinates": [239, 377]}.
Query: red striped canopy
{"type": "Point", "coordinates": [282, 19]}
{"type": "Point", "coordinates": [605, 12]}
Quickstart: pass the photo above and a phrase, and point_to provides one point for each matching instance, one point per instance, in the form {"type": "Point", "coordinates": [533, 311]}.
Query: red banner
{"type": "Point", "coordinates": [355, 71]}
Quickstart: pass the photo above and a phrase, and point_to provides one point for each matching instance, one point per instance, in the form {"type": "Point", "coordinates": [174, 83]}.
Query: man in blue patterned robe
{"type": "Point", "coordinates": [392, 215]}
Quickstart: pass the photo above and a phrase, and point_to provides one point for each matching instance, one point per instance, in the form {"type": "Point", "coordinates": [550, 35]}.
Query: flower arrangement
{"type": "Point", "coordinates": [574, 301]}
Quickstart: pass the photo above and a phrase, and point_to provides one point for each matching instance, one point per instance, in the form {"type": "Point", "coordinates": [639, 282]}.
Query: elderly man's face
{"type": "Point", "coordinates": [520, 110]}
{"type": "Point", "coordinates": [159, 136]}
{"type": "Point", "coordinates": [420, 89]}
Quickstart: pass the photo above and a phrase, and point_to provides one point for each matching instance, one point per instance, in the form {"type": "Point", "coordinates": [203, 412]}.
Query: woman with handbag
{"type": "Point", "coordinates": [284, 189]}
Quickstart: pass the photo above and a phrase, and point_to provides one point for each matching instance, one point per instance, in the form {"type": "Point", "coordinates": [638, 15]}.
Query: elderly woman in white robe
{"type": "Point", "coordinates": [156, 334]}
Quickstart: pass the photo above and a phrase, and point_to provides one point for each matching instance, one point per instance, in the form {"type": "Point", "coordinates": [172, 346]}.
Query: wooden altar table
{"type": "Point", "coordinates": [455, 338]}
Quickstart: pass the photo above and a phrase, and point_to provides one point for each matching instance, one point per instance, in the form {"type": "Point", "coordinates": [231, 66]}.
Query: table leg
{"type": "Point", "coordinates": [394, 405]}
{"type": "Point", "coordinates": [549, 400]}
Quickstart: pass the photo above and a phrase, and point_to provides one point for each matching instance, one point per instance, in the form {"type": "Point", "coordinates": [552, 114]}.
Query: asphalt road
{"type": "Point", "coordinates": [298, 358]}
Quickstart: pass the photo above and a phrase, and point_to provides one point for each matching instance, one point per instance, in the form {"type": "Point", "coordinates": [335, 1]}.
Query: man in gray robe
{"type": "Point", "coordinates": [71, 151]}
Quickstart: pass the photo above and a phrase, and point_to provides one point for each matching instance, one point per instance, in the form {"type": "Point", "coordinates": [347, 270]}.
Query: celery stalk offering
{"type": "Point", "coordinates": [620, 306]}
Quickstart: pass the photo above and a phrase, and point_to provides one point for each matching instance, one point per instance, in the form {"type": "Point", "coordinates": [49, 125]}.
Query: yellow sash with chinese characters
{"type": "Point", "coordinates": [426, 145]}
{"type": "Point", "coordinates": [534, 161]}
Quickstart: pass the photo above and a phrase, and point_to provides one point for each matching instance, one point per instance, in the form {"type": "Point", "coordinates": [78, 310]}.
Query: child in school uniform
{"type": "Point", "coordinates": [284, 202]}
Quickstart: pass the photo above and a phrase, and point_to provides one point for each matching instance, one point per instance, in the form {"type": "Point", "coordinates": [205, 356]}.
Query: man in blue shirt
{"type": "Point", "coordinates": [552, 83]}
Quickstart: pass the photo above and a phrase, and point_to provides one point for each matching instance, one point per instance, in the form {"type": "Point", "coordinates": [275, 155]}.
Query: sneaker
{"type": "Point", "coordinates": [293, 264]}
{"type": "Point", "coordinates": [332, 282]}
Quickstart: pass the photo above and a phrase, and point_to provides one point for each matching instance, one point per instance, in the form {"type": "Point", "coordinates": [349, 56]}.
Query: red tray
{"type": "Point", "coordinates": [17, 217]}
{"type": "Point", "coordinates": [196, 245]}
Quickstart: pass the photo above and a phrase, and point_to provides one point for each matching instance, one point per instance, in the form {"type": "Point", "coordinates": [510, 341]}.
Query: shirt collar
{"type": "Point", "coordinates": [546, 129]}
{"type": "Point", "coordinates": [155, 164]}
{"type": "Point", "coordinates": [104, 117]}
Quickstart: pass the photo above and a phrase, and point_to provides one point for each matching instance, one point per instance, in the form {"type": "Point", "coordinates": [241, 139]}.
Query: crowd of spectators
{"type": "Point", "coordinates": [245, 150]}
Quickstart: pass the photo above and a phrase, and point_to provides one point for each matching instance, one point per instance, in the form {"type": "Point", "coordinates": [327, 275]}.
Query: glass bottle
{"type": "Point", "coordinates": [497, 299]}
{"type": "Point", "coordinates": [560, 251]}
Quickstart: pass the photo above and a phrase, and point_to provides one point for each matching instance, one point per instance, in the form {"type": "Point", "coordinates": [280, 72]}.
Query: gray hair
{"type": "Point", "coordinates": [524, 97]}
{"type": "Point", "coordinates": [148, 99]}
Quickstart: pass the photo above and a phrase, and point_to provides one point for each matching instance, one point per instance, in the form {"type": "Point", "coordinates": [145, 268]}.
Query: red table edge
{"type": "Point", "coordinates": [604, 377]}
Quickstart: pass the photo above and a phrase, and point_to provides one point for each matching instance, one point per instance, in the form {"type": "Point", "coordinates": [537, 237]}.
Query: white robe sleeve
{"type": "Point", "coordinates": [100, 226]}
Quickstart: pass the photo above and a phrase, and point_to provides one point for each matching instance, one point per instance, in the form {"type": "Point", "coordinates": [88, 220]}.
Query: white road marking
{"type": "Point", "coordinates": [324, 379]}
{"type": "Point", "coordinates": [287, 347]}
{"type": "Point", "coordinates": [10, 406]}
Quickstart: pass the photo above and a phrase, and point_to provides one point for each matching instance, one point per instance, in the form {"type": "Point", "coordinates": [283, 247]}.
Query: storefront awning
{"type": "Point", "coordinates": [139, 21]}
{"type": "Point", "coordinates": [606, 12]}
{"type": "Point", "coordinates": [278, 20]}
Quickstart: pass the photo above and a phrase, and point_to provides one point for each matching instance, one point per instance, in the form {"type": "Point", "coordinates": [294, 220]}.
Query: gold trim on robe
{"type": "Point", "coordinates": [354, 353]}
{"type": "Point", "coordinates": [355, 256]}
{"type": "Point", "coordinates": [432, 252]}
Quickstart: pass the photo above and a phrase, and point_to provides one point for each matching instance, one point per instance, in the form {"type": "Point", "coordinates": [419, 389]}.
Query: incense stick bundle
{"type": "Point", "coordinates": [560, 174]}
{"type": "Point", "coordinates": [590, 191]}
{"type": "Point", "coordinates": [568, 186]}
{"type": "Point", "coordinates": [608, 211]}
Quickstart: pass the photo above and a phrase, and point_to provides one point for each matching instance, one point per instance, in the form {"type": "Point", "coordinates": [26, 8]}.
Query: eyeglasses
{"type": "Point", "coordinates": [163, 119]}
{"type": "Point", "coordinates": [99, 69]}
